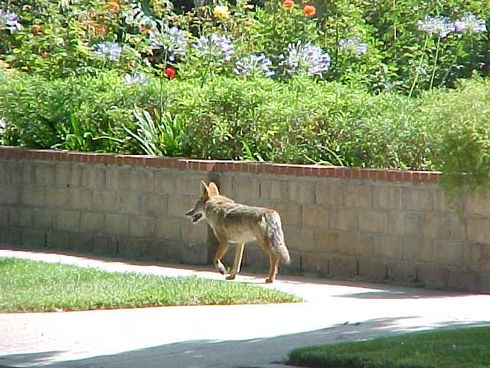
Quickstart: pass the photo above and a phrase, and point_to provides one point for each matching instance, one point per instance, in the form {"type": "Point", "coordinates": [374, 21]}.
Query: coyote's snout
{"type": "Point", "coordinates": [234, 223]}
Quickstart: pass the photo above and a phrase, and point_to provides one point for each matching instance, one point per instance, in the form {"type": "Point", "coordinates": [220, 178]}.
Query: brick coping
{"type": "Point", "coordinates": [340, 172]}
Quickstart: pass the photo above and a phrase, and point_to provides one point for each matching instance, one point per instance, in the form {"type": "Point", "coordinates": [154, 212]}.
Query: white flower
{"type": "Point", "coordinates": [469, 23]}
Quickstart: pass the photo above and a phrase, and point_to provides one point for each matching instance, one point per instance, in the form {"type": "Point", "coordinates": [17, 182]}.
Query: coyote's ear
{"type": "Point", "coordinates": [213, 189]}
{"type": "Point", "coordinates": [204, 189]}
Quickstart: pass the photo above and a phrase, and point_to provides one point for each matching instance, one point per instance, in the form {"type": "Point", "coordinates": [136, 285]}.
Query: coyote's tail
{"type": "Point", "coordinates": [276, 237]}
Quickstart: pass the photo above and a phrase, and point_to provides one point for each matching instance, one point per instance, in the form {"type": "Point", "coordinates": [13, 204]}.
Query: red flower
{"type": "Point", "coordinates": [288, 4]}
{"type": "Point", "coordinates": [309, 10]}
{"type": "Point", "coordinates": [170, 72]}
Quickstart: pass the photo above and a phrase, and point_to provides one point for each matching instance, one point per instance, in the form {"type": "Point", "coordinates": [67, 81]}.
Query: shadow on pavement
{"type": "Point", "coordinates": [229, 354]}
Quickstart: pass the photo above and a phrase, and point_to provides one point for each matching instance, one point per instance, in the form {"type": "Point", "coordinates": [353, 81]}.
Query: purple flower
{"type": "Point", "coordinates": [215, 47]}
{"type": "Point", "coordinates": [440, 26]}
{"type": "Point", "coordinates": [253, 65]}
{"type": "Point", "coordinates": [305, 58]}
{"type": "Point", "coordinates": [9, 20]}
{"type": "Point", "coordinates": [469, 23]}
{"type": "Point", "coordinates": [110, 51]}
{"type": "Point", "coordinates": [353, 45]}
{"type": "Point", "coordinates": [172, 39]}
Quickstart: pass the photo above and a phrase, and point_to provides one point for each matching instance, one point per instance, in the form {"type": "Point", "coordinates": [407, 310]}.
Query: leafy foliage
{"type": "Point", "coordinates": [351, 83]}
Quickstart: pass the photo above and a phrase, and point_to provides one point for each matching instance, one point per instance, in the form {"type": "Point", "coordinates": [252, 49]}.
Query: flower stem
{"type": "Point", "coordinates": [435, 63]}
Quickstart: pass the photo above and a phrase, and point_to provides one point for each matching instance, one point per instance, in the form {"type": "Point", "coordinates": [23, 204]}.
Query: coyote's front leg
{"type": "Point", "coordinates": [238, 261]}
{"type": "Point", "coordinates": [221, 250]}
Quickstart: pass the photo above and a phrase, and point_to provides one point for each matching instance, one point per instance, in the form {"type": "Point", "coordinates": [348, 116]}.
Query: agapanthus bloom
{"type": "Point", "coordinates": [214, 47]}
{"type": "Point", "coordinates": [353, 45]}
{"type": "Point", "coordinates": [110, 51]}
{"type": "Point", "coordinates": [253, 65]}
{"type": "Point", "coordinates": [439, 26]}
{"type": "Point", "coordinates": [221, 12]}
{"type": "Point", "coordinates": [470, 23]}
{"type": "Point", "coordinates": [172, 39]}
{"type": "Point", "coordinates": [305, 58]}
{"type": "Point", "coordinates": [9, 20]}
{"type": "Point", "coordinates": [135, 78]}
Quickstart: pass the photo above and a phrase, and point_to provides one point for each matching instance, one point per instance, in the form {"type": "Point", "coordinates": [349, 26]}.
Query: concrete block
{"type": "Point", "coordinates": [372, 269]}
{"type": "Point", "coordinates": [465, 280]}
{"type": "Point", "coordinates": [290, 212]}
{"type": "Point", "coordinates": [246, 188]}
{"type": "Point", "coordinates": [478, 230]}
{"type": "Point", "coordinates": [387, 197]}
{"type": "Point", "coordinates": [316, 216]}
{"type": "Point", "coordinates": [33, 238]}
{"type": "Point", "coordinates": [373, 221]}
{"type": "Point", "coordinates": [329, 193]}
{"type": "Point", "coordinates": [358, 195]}
{"type": "Point", "coordinates": [417, 198]}
{"type": "Point", "coordinates": [128, 203]}
{"type": "Point", "coordinates": [434, 226]}
{"type": "Point", "coordinates": [178, 205]}
{"type": "Point", "coordinates": [154, 204]}
{"type": "Point", "coordinates": [44, 173]}
{"type": "Point", "coordinates": [403, 223]}
{"type": "Point", "coordinates": [297, 238]}
{"type": "Point", "coordinates": [166, 182]}
{"type": "Point", "coordinates": [432, 276]}
{"type": "Point", "coordinates": [105, 201]}
{"type": "Point", "coordinates": [9, 195]}
{"type": "Point", "coordinates": [67, 221]}
{"type": "Point", "coordinates": [273, 189]}
{"type": "Point", "coordinates": [93, 177]}
{"type": "Point", "coordinates": [171, 227]}
{"type": "Point", "coordinates": [34, 196]}
{"type": "Point", "coordinates": [142, 226]}
{"type": "Point", "coordinates": [194, 253]}
{"type": "Point", "coordinates": [116, 224]}
{"type": "Point", "coordinates": [387, 246]}
{"type": "Point", "coordinates": [4, 172]}
{"type": "Point", "coordinates": [302, 191]}
{"type": "Point", "coordinates": [417, 249]}
{"type": "Point", "coordinates": [142, 180]}
{"type": "Point", "coordinates": [440, 202]}
{"type": "Point", "coordinates": [402, 272]}
{"type": "Point", "coordinates": [345, 219]}
{"type": "Point", "coordinates": [478, 204]}
{"type": "Point", "coordinates": [448, 252]}
{"type": "Point", "coordinates": [57, 197]}
{"type": "Point", "coordinates": [194, 232]}
{"type": "Point", "coordinates": [456, 227]}
{"type": "Point", "coordinates": [69, 175]}
{"type": "Point", "coordinates": [328, 242]}
{"type": "Point", "coordinates": [42, 218]}
{"type": "Point", "coordinates": [189, 182]}
{"type": "Point", "coordinates": [80, 199]}
{"type": "Point", "coordinates": [92, 222]}
{"type": "Point", "coordinates": [477, 256]}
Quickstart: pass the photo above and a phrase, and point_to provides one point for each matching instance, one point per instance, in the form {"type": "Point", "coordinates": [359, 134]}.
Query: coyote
{"type": "Point", "coordinates": [238, 224]}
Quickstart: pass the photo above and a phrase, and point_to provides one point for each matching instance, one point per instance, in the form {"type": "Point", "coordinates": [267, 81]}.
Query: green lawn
{"type": "Point", "coordinates": [460, 348]}
{"type": "Point", "coordinates": [28, 286]}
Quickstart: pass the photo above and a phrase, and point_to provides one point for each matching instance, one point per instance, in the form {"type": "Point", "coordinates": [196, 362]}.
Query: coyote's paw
{"type": "Point", "coordinates": [269, 280]}
{"type": "Point", "coordinates": [230, 277]}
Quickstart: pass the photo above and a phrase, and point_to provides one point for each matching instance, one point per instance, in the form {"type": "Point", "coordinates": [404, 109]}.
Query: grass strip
{"type": "Point", "coordinates": [33, 286]}
{"type": "Point", "coordinates": [449, 348]}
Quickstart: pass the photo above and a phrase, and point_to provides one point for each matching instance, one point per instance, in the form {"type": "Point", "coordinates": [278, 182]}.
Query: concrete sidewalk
{"type": "Point", "coordinates": [224, 336]}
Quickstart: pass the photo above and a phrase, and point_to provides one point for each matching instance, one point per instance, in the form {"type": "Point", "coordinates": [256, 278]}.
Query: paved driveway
{"type": "Point", "coordinates": [225, 336]}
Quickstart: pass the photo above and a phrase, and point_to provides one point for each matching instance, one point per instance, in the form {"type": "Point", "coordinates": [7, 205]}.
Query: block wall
{"type": "Point", "coordinates": [377, 225]}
